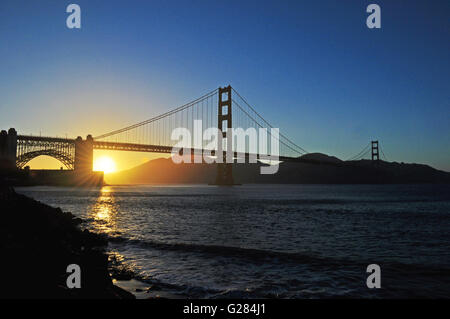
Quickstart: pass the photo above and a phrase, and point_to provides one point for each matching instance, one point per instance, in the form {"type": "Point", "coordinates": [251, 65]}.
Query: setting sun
{"type": "Point", "coordinates": [105, 164]}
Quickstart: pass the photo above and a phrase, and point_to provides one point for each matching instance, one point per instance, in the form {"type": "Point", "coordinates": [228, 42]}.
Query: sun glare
{"type": "Point", "coordinates": [105, 164]}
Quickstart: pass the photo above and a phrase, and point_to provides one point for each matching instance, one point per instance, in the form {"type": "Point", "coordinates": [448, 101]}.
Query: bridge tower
{"type": "Point", "coordinates": [375, 154]}
{"type": "Point", "coordinates": [225, 169]}
{"type": "Point", "coordinates": [8, 149]}
{"type": "Point", "coordinates": [84, 154]}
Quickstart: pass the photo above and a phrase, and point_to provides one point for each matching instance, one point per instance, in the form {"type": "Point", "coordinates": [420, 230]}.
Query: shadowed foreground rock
{"type": "Point", "coordinates": [38, 242]}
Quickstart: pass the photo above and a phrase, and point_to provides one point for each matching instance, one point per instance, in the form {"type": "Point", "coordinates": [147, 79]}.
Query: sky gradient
{"type": "Point", "coordinates": [313, 69]}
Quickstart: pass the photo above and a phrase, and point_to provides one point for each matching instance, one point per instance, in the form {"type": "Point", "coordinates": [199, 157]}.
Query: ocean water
{"type": "Point", "coordinates": [272, 241]}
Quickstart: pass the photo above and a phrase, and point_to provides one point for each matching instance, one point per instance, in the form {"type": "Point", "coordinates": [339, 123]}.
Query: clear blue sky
{"type": "Point", "coordinates": [312, 68]}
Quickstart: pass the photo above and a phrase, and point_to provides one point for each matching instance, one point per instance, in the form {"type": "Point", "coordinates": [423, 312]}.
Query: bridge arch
{"type": "Point", "coordinates": [23, 159]}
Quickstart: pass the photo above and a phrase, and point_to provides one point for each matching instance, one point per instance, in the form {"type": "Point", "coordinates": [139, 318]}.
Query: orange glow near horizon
{"type": "Point", "coordinates": [122, 160]}
{"type": "Point", "coordinates": [127, 160]}
{"type": "Point", "coordinates": [105, 164]}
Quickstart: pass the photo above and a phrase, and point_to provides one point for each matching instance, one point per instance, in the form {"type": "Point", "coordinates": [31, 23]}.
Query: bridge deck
{"type": "Point", "coordinates": [134, 147]}
{"type": "Point", "coordinates": [168, 149]}
{"type": "Point", "coordinates": [45, 139]}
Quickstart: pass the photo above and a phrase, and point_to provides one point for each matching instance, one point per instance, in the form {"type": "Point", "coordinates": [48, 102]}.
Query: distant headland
{"type": "Point", "coordinates": [315, 168]}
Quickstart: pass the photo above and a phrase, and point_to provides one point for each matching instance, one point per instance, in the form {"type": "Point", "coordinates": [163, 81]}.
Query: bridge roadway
{"type": "Point", "coordinates": [134, 147]}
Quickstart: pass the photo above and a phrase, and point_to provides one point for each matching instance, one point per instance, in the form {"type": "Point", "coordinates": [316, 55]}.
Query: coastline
{"type": "Point", "coordinates": [38, 242]}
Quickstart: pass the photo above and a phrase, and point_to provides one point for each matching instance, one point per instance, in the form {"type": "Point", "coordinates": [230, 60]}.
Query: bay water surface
{"type": "Point", "coordinates": [272, 241]}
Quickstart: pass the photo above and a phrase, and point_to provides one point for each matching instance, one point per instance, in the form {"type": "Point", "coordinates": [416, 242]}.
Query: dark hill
{"type": "Point", "coordinates": [315, 168]}
{"type": "Point", "coordinates": [322, 158]}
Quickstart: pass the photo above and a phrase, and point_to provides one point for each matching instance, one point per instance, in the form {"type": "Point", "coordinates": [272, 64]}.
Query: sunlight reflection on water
{"type": "Point", "coordinates": [104, 212]}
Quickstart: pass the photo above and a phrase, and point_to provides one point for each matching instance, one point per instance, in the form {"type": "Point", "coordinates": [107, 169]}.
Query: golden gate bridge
{"type": "Point", "coordinates": [223, 108]}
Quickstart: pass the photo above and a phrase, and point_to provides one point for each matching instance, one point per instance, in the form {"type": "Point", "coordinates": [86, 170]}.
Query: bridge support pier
{"type": "Point", "coordinates": [8, 150]}
{"type": "Point", "coordinates": [84, 154]}
{"type": "Point", "coordinates": [225, 169]}
{"type": "Point", "coordinates": [84, 160]}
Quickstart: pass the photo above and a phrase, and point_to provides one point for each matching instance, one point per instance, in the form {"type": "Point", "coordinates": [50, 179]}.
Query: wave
{"type": "Point", "coordinates": [263, 255]}
{"type": "Point", "coordinates": [225, 251]}
{"type": "Point", "coordinates": [399, 277]}
{"type": "Point", "coordinates": [248, 254]}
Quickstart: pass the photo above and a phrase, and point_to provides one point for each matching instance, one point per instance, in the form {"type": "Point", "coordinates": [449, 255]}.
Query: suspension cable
{"type": "Point", "coordinates": [358, 155]}
{"type": "Point", "coordinates": [256, 122]}
{"type": "Point", "coordinates": [303, 150]}
{"type": "Point", "coordinates": [180, 108]}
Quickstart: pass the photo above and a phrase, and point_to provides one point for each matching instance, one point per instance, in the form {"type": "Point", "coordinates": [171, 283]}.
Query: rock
{"type": "Point", "coordinates": [39, 242]}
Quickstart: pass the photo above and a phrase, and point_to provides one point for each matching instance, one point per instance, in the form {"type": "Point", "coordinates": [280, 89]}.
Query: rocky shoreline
{"type": "Point", "coordinates": [37, 244]}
